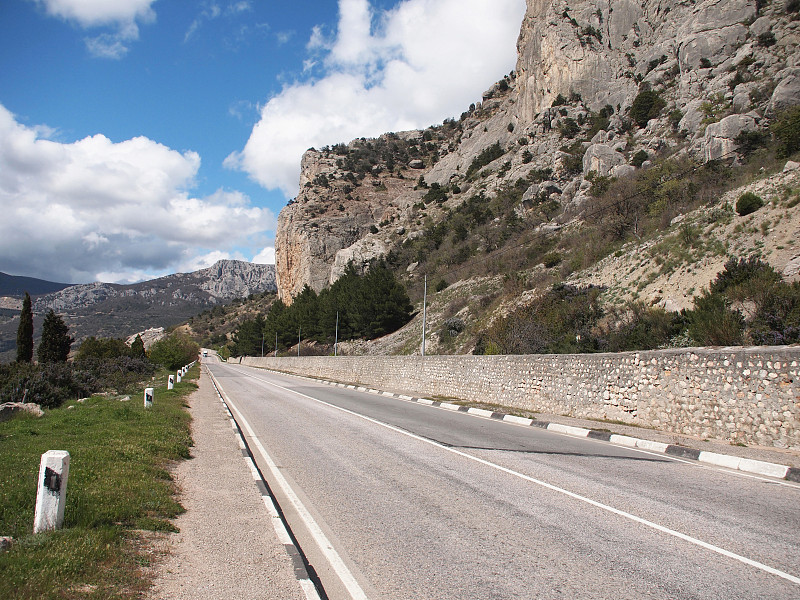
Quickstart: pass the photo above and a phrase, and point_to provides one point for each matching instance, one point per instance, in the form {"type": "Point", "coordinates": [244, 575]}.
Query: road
{"type": "Point", "coordinates": [393, 499]}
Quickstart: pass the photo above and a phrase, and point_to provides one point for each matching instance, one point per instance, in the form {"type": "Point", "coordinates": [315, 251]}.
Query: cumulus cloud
{"type": "Point", "coordinates": [265, 257]}
{"type": "Point", "coordinates": [104, 208]}
{"type": "Point", "coordinates": [121, 15]}
{"type": "Point", "coordinates": [382, 71]}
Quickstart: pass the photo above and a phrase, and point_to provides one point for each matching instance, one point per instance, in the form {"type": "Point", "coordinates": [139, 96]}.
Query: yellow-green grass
{"type": "Point", "coordinates": [118, 486]}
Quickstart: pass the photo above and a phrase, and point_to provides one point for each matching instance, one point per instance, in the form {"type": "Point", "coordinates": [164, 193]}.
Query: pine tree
{"type": "Point", "coordinates": [137, 348]}
{"type": "Point", "coordinates": [25, 331]}
{"type": "Point", "coordinates": [56, 340]}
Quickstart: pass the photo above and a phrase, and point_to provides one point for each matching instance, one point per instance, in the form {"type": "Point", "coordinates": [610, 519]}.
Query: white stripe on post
{"type": "Point", "coordinates": [51, 495]}
{"type": "Point", "coordinates": [148, 397]}
{"type": "Point", "coordinates": [171, 382]}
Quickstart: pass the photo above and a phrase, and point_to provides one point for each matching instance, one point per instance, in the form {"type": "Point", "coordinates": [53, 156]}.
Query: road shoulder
{"type": "Point", "coordinates": [227, 547]}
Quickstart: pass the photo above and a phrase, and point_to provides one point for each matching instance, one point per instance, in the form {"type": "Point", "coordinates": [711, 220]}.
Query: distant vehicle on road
{"type": "Point", "coordinates": [205, 353]}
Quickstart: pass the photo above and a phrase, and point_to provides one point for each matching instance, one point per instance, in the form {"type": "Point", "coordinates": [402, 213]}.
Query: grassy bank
{"type": "Point", "coordinates": [118, 485]}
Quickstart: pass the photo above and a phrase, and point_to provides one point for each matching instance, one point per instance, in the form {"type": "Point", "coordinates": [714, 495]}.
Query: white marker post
{"type": "Point", "coordinates": [148, 397]}
{"type": "Point", "coordinates": [51, 495]}
{"type": "Point", "coordinates": [178, 378]}
{"type": "Point", "coordinates": [171, 382]}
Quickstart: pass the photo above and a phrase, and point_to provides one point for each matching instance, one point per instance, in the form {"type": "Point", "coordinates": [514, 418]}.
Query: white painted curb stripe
{"type": "Point", "coordinates": [517, 420]}
{"type": "Point", "coordinates": [568, 429]}
{"type": "Point", "coordinates": [720, 460]}
{"type": "Point", "coordinates": [481, 412]}
{"type": "Point", "coordinates": [624, 440]}
{"type": "Point", "coordinates": [652, 446]}
{"type": "Point", "coordinates": [763, 468]}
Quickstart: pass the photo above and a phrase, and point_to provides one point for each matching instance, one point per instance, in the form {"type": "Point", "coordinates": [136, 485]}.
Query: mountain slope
{"type": "Point", "coordinates": [601, 91]}
{"type": "Point", "coordinates": [16, 286]}
{"type": "Point", "coordinates": [111, 310]}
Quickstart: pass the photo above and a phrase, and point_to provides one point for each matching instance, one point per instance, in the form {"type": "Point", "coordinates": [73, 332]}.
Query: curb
{"type": "Point", "coordinates": [304, 572]}
{"type": "Point", "coordinates": [756, 467]}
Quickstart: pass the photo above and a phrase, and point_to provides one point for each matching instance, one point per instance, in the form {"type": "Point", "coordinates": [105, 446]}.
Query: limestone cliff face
{"type": "Point", "coordinates": [720, 67]}
{"type": "Point", "coordinates": [600, 49]}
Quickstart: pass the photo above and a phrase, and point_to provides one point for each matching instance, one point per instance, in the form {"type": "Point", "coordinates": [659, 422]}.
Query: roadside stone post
{"type": "Point", "coordinates": [171, 382]}
{"type": "Point", "coordinates": [51, 495]}
{"type": "Point", "coordinates": [148, 397]}
{"type": "Point", "coordinates": [178, 377]}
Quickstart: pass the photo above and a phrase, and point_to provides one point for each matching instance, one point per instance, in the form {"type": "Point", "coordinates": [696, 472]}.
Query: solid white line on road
{"type": "Point", "coordinates": [549, 486]}
{"type": "Point", "coordinates": [325, 546]}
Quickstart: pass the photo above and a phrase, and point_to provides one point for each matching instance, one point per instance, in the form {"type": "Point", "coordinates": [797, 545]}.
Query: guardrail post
{"type": "Point", "coordinates": [51, 495]}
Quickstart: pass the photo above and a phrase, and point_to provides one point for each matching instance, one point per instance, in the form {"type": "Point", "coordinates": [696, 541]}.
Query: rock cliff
{"type": "Point", "coordinates": [600, 89]}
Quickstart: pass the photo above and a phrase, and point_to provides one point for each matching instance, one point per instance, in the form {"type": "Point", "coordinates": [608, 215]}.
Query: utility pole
{"type": "Point", "coordinates": [424, 312]}
{"type": "Point", "coordinates": [276, 344]}
{"type": "Point", "coordinates": [262, 344]}
{"type": "Point", "coordinates": [299, 329]}
{"type": "Point", "coordinates": [336, 341]}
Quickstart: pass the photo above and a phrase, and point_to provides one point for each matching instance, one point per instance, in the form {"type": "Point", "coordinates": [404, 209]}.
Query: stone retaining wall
{"type": "Point", "coordinates": [744, 395]}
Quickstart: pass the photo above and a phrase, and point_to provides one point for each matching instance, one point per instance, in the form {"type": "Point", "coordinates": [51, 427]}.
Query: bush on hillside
{"type": "Point", "coordinates": [174, 351]}
{"type": "Point", "coordinates": [647, 105]}
{"type": "Point", "coordinates": [748, 203]}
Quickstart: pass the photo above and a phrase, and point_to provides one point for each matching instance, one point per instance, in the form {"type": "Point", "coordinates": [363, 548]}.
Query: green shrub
{"type": "Point", "coordinates": [568, 128]}
{"type": "Point", "coordinates": [174, 351]}
{"type": "Point", "coordinates": [442, 285]}
{"type": "Point", "coordinates": [647, 105]}
{"type": "Point", "coordinates": [766, 39]}
{"type": "Point", "coordinates": [487, 156]}
{"type": "Point", "coordinates": [786, 129]}
{"type": "Point", "coordinates": [714, 323]}
{"type": "Point", "coordinates": [705, 63]}
{"type": "Point", "coordinates": [638, 159]}
{"type": "Point", "coordinates": [748, 203]}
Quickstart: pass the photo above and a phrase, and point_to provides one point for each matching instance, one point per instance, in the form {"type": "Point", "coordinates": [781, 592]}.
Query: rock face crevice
{"type": "Point", "coordinates": [721, 67]}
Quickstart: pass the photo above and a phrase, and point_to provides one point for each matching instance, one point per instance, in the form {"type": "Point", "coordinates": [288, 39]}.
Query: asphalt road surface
{"type": "Point", "coordinates": [393, 499]}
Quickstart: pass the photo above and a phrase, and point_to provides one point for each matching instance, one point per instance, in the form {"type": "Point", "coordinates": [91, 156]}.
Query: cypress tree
{"type": "Point", "coordinates": [137, 348]}
{"type": "Point", "coordinates": [56, 340]}
{"type": "Point", "coordinates": [25, 331]}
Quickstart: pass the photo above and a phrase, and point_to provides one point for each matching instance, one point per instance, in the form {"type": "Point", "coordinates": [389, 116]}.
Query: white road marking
{"type": "Point", "coordinates": [324, 544]}
{"type": "Point", "coordinates": [544, 484]}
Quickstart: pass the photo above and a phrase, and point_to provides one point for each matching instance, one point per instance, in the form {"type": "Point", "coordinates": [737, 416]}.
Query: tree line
{"type": "Point", "coordinates": [100, 364]}
{"type": "Point", "coordinates": [364, 305]}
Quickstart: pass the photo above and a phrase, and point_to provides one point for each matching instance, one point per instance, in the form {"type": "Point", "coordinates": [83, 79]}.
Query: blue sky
{"type": "Point", "coordinates": [145, 137]}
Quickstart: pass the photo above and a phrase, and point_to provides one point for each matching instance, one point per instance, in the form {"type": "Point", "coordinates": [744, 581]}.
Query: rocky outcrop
{"type": "Point", "coordinates": [719, 68]}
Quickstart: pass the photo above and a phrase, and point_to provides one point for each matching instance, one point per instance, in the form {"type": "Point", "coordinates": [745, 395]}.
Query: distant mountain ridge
{"type": "Point", "coordinates": [223, 281]}
{"type": "Point", "coordinates": [114, 310]}
{"type": "Point", "coordinates": [16, 286]}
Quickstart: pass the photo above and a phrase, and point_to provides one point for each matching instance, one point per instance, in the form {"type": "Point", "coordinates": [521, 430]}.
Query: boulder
{"type": "Point", "coordinates": [9, 409]}
{"type": "Point", "coordinates": [622, 171]}
{"type": "Point", "coordinates": [719, 140]}
{"type": "Point", "coordinates": [792, 268]}
{"type": "Point", "coordinates": [416, 164]}
{"type": "Point", "coordinates": [601, 158]}
{"type": "Point", "coordinates": [787, 92]}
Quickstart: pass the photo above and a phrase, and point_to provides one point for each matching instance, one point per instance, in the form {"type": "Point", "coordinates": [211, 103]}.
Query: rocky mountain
{"type": "Point", "coordinates": [111, 310]}
{"type": "Point", "coordinates": [601, 92]}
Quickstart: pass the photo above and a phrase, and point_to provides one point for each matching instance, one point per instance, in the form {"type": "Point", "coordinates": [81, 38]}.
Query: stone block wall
{"type": "Point", "coordinates": [746, 395]}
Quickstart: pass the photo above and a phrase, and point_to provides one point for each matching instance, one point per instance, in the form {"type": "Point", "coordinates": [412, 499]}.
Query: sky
{"type": "Point", "coordinates": [140, 138]}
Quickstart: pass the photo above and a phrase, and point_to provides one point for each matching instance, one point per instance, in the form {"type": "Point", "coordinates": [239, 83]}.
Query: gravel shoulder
{"type": "Point", "coordinates": [227, 547]}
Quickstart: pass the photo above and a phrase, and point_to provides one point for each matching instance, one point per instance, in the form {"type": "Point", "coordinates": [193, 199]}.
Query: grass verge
{"type": "Point", "coordinates": [118, 486]}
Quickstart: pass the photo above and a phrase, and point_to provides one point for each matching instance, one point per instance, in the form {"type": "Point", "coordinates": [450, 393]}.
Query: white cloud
{"type": "Point", "coordinates": [91, 13]}
{"type": "Point", "coordinates": [265, 257]}
{"type": "Point", "coordinates": [120, 15]}
{"type": "Point", "coordinates": [407, 68]}
{"type": "Point", "coordinates": [93, 208]}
